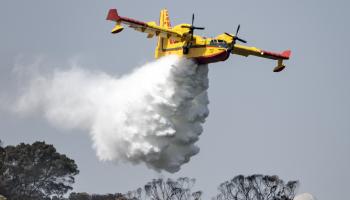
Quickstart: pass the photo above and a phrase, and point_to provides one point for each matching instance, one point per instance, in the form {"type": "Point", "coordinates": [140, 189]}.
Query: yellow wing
{"type": "Point", "coordinates": [246, 51]}
{"type": "Point", "coordinates": [151, 28]}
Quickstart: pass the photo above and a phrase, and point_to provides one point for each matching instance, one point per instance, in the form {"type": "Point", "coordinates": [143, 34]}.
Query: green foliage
{"type": "Point", "coordinates": [256, 187]}
{"type": "Point", "coordinates": [36, 171]}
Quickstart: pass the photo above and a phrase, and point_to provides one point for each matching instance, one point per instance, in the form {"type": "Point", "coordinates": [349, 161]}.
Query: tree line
{"type": "Point", "coordinates": [38, 172]}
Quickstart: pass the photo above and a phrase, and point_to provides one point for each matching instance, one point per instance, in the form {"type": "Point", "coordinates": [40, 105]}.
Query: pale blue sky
{"type": "Point", "coordinates": [295, 124]}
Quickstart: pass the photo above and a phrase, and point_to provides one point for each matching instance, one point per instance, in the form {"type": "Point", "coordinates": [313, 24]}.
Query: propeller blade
{"type": "Point", "coordinates": [192, 18]}
{"type": "Point", "coordinates": [241, 40]}
{"type": "Point", "coordinates": [239, 26]}
{"type": "Point", "coordinates": [228, 34]}
{"type": "Point", "coordinates": [185, 26]}
{"type": "Point", "coordinates": [199, 28]}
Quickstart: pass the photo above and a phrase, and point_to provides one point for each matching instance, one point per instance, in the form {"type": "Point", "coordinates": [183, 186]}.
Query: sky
{"type": "Point", "coordinates": [295, 124]}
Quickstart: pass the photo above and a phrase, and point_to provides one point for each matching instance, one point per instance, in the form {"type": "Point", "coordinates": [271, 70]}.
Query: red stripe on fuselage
{"type": "Point", "coordinates": [212, 58]}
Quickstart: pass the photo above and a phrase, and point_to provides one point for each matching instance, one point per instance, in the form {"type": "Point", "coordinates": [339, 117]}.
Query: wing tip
{"type": "Point", "coordinates": [113, 15]}
{"type": "Point", "coordinates": [277, 55]}
{"type": "Point", "coordinates": [286, 53]}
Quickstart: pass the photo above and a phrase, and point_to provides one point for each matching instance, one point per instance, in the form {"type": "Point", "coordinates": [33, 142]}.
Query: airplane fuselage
{"type": "Point", "coordinates": [203, 50]}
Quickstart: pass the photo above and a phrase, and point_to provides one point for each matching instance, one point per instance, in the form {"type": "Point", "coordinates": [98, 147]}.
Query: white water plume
{"type": "Point", "coordinates": [153, 115]}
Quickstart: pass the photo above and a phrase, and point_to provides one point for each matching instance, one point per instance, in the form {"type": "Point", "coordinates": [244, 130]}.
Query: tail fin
{"type": "Point", "coordinates": [164, 19]}
{"type": "Point", "coordinates": [162, 42]}
{"type": "Point", "coordinates": [113, 16]}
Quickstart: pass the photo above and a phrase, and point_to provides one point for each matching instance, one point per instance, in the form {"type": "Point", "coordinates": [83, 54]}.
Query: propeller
{"type": "Point", "coordinates": [235, 38]}
{"type": "Point", "coordinates": [192, 27]}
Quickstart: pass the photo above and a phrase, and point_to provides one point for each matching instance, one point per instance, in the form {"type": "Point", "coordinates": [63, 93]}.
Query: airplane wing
{"type": "Point", "coordinates": [151, 28]}
{"type": "Point", "coordinates": [246, 51]}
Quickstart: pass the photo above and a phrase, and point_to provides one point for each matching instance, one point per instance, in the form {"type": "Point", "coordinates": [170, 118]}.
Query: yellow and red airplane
{"type": "Point", "coordinates": [180, 40]}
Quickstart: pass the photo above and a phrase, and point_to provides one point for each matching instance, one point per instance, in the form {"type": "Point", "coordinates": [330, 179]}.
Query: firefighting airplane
{"type": "Point", "coordinates": [180, 40]}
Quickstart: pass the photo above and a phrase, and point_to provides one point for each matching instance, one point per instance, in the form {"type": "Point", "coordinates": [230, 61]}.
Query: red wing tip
{"type": "Point", "coordinates": [286, 53]}
{"type": "Point", "coordinates": [113, 15]}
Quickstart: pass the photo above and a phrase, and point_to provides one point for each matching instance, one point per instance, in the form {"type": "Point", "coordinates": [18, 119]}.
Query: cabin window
{"type": "Point", "coordinates": [219, 43]}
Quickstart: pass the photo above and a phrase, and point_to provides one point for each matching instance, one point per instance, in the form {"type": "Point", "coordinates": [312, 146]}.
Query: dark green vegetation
{"type": "Point", "coordinates": [37, 172]}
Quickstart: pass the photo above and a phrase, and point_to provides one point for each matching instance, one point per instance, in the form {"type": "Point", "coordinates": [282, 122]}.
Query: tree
{"type": "Point", "coordinates": [2, 182]}
{"type": "Point", "coordinates": [256, 187]}
{"type": "Point", "coordinates": [86, 196]}
{"type": "Point", "coordinates": [2, 156]}
{"type": "Point", "coordinates": [37, 171]}
{"type": "Point", "coordinates": [159, 189]}
{"type": "Point", "coordinates": [79, 196]}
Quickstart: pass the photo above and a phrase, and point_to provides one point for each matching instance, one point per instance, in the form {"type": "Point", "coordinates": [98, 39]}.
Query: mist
{"type": "Point", "coordinates": [153, 115]}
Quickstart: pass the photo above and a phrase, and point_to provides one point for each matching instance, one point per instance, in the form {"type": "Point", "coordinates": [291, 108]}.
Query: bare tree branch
{"type": "Point", "coordinates": [256, 187]}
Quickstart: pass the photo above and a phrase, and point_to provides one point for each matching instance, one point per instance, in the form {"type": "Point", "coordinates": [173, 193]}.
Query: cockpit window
{"type": "Point", "coordinates": [218, 43]}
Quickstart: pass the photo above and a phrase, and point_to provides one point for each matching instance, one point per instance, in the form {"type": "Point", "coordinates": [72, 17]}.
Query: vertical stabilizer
{"type": "Point", "coordinates": [164, 21]}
